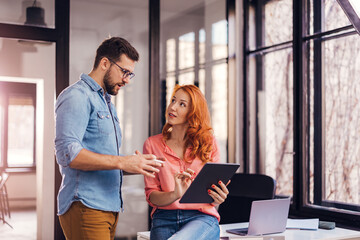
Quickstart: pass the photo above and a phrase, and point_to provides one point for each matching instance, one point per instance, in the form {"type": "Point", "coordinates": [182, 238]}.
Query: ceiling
{"type": "Point", "coordinates": [166, 5]}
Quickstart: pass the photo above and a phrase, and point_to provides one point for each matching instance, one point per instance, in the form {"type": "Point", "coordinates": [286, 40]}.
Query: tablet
{"type": "Point", "coordinates": [210, 174]}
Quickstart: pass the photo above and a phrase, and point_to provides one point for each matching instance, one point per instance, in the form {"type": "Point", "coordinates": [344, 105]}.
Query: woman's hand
{"type": "Point", "coordinates": [182, 183]}
{"type": "Point", "coordinates": [219, 194]}
{"type": "Point", "coordinates": [183, 180]}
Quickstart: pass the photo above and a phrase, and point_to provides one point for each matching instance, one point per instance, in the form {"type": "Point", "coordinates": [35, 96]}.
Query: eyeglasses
{"type": "Point", "coordinates": [127, 73]}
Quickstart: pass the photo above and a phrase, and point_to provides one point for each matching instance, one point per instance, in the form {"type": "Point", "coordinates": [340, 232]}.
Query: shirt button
{"type": "Point", "coordinates": [107, 116]}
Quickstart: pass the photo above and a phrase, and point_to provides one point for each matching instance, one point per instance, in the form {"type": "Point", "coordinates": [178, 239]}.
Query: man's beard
{"type": "Point", "coordinates": [109, 88]}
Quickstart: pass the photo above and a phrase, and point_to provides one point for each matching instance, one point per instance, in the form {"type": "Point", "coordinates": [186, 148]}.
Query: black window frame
{"type": "Point", "coordinates": [325, 210]}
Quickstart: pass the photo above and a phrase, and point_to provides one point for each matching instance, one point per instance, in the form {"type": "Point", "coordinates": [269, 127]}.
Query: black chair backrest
{"type": "Point", "coordinates": [243, 190]}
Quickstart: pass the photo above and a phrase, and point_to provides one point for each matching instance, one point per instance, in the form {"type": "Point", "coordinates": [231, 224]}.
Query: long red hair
{"type": "Point", "coordinates": [199, 134]}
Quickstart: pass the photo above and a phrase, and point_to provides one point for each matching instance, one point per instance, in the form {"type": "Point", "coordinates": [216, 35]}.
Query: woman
{"type": "Point", "coordinates": [186, 143]}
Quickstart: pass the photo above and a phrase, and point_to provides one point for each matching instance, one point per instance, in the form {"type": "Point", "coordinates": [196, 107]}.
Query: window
{"type": "Point", "coordinates": [17, 116]}
{"type": "Point", "coordinates": [194, 50]}
{"type": "Point", "coordinates": [271, 91]}
{"type": "Point", "coordinates": [303, 92]}
{"type": "Point", "coordinates": [335, 109]}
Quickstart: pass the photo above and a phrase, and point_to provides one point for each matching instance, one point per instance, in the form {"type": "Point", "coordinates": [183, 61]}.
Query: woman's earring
{"type": "Point", "coordinates": [169, 129]}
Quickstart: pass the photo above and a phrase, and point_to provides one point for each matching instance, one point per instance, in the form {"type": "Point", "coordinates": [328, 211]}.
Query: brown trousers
{"type": "Point", "coordinates": [83, 223]}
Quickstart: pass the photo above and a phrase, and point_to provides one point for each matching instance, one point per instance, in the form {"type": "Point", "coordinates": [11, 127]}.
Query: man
{"type": "Point", "coordinates": [88, 138]}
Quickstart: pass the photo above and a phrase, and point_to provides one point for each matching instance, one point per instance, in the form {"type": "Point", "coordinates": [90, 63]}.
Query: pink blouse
{"type": "Point", "coordinates": [164, 180]}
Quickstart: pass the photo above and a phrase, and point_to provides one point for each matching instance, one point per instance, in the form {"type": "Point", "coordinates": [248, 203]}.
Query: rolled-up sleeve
{"type": "Point", "coordinates": [151, 184]}
{"type": "Point", "coordinates": [72, 113]}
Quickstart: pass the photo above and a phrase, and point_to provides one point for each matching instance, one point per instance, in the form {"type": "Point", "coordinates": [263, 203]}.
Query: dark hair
{"type": "Point", "coordinates": [113, 48]}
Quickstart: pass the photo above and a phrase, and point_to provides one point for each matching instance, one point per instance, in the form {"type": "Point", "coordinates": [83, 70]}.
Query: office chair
{"type": "Point", "coordinates": [243, 190]}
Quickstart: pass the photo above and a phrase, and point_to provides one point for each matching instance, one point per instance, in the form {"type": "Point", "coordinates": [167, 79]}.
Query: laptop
{"type": "Point", "coordinates": [266, 217]}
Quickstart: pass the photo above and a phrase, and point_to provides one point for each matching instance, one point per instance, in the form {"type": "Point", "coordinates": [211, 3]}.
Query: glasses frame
{"type": "Point", "coordinates": [126, 73]}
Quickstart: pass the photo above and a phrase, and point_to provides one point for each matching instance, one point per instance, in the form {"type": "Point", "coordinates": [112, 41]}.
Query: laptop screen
{"type": "Point", "coordinates": [266, 217]}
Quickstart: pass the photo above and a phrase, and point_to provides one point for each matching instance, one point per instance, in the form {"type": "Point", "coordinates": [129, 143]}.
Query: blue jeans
{"type": "Point", "coordinates": [184, 224]}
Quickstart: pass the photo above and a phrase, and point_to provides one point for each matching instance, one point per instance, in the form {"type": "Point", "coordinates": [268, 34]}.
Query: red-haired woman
{"type": "Point", "coordinates": [187, 143]}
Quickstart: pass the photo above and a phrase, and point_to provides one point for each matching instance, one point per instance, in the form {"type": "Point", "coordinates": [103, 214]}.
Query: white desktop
{"type": "Point", "coordinates": [289, 234]}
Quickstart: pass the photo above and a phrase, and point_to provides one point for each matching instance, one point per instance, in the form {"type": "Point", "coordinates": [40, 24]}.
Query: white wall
{"type": "Point", "coordinates": [21, 190]}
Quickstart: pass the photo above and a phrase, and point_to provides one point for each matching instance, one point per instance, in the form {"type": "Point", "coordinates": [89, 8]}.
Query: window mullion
{"type": "Point", "coordinates": [177, 70]}
{"type": "Point", "coordinates": [245, 145]}
{"type": "Point", "coordinates": [318, 107]}
{"type": "Point", "coordinates": [299, 115]}
{"type": "Point", "coordinates": [260, 42]}
{"type": "Point", "coordinates": [196, 60]}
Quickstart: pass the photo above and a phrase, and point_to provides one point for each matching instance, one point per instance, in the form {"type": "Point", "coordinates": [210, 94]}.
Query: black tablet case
{"type": "Point", "coordinates": [210, 174]}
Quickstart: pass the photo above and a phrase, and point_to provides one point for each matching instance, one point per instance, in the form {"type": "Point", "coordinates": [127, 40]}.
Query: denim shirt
{"type": "Point", "coordinates": [86, 118]}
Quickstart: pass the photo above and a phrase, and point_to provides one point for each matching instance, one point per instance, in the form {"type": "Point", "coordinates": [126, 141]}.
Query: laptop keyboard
{"type": "Point", "coordinates": [238, 231]}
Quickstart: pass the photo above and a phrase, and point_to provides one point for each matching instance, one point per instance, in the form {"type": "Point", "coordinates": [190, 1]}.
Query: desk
{"type": "Point", "coordinates": [334, 234]}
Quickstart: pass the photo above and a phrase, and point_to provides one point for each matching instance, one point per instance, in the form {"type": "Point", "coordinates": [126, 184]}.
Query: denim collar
{"type": "Point", "coordinates": [95, 86]}
{"type": "Point", "coordinates": [91, 82]}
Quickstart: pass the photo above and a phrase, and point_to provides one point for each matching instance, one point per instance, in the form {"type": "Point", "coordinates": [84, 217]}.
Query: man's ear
{"type": "Point", "coordinates": [104, 64]}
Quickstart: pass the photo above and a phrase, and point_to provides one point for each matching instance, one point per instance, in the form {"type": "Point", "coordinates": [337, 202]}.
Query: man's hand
{"type": "Point", "coordinates": [144, 164]}
{"type": "Point", "coordinates": [139, 163]}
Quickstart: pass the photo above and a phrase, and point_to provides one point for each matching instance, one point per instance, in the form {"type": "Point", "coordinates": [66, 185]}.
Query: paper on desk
{"type": "Point", "coordinates": [257, 238]}
{"type": "Point", "coordinates": [304, 224]}
{"type": "Point", "coordinates": [245, 238]}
